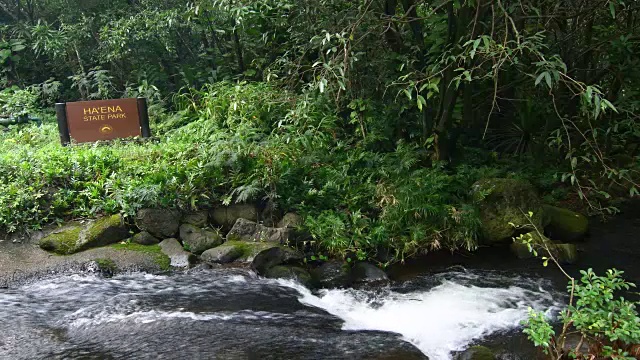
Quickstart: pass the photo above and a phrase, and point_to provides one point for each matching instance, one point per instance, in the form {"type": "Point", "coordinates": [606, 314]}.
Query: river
{"type": "Point", "coordinates": [434, 308]}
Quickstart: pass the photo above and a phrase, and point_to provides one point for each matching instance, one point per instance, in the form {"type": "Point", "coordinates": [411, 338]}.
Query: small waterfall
{"type": "Point", "coordinates": [443, 319]}
{"type": "Point", "coordinates": [233, 314]}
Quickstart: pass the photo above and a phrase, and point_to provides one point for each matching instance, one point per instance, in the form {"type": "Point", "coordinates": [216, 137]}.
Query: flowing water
{"type": "Point", "coordinates": [233, 314]}
{"type": "Point", "coordinates": [434, 308]}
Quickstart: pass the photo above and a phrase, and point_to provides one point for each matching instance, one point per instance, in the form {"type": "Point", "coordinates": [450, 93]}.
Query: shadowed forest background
{"type": "Point", "coordinates": [372, 119]}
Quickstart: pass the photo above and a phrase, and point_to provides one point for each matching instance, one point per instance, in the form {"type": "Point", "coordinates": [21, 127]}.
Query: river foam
{"type": "Point", "coordinates": [439, 321]}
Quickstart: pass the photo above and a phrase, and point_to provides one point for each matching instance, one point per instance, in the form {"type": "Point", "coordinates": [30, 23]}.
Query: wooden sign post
{"type": "Point", "coordinates": [90, 121]}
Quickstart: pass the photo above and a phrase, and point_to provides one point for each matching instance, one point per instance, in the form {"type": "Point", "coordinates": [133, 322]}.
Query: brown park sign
{"type": "Point", "coordinates": [90, 121]}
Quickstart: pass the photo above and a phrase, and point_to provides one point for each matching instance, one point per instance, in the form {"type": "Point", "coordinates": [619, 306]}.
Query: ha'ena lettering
{"type": "Point", "coordinates": [103, 113]}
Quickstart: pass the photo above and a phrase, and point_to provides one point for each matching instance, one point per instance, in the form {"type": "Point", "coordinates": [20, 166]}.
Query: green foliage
{"type": "Point", "coordinates": [539, 331]}
{"type": "Point", "coordinates": [305, 106]}
{"type": "Point", "coordinates": [246, 143]}
{"type": "Point", "coordinates": [609, 325]}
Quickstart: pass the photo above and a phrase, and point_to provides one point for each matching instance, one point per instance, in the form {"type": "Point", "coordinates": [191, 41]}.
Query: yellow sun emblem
{"type": "Point", "coordinates": [106, 129]}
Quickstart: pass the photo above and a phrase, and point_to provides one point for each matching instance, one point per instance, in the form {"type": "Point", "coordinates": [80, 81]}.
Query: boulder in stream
{"type": "Point", "coordinates": [161, 223]}
{"type": "Point", "coordinates": [198, 240]}
{"type": "Point", "coordinates": [477, 353]}
{"type": "Point", "coordinates": [222, 254]}
{"type": "Point", "coordinates": [245, 230]}
{"type": "Point", "coordinates": [368, 274]}
{"type": "Point", "coordinates": [291, 273]}
{"type": "Point", "coordinates": [277, 255]}
{"type": "Point", "coordinates": [564, 253]}
{"type": "Point", "coordinates": [503, 202]}
{"type": "Point", "coordinates": [563, 225]}
{"type": "Point", "coordinates": [332, 274]}
{"type": "Point", "coordinates": [176, 253]}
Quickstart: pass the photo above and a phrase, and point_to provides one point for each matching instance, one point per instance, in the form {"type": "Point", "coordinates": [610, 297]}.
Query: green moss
{"type": "Point", "coordinates": [566, 253]}
{"type": "Point", "coordinates": [106, 265]}
{"type": "Point", "coordinates": [503, 202]}
{"type": "Point", "coordinates": [480, 353]}
{"type": "Point", "coordinates": [249, 249]}
{"type": "Point", "coordinates": [159, 257]}
{"type": "Point", "coordinates": [564, 224]}
{"type": "Point", "coordinates": [62, 242]}
{"type": "Point", "coordinates": [100, 225]}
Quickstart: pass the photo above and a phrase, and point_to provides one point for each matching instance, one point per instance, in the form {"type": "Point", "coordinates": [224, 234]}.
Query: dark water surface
{"type": "Point", "coordinates": [232, 314]}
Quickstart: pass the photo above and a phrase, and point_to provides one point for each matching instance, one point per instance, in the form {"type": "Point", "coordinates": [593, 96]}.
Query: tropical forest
{"type": "Point", "coordinates": [320, 179]}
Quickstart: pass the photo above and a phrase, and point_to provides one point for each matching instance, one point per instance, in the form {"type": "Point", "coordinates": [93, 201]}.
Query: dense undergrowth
{"type": "Point", "coordinates": [226, 144]}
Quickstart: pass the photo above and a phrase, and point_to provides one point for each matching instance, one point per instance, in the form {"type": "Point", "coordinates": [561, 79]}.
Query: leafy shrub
{"type": "Point", "coordinates": [609, 325]}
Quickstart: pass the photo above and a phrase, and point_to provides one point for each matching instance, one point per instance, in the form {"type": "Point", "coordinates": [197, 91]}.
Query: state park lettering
{"type": "Point", "coordinates": [103, 113]}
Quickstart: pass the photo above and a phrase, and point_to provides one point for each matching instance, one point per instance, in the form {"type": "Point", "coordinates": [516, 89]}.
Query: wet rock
{"type": "Point", "coordinates": [521, 250]}
{"type": "Point", "coordinates": [477, 353]}
{"type": "Point", "coordinates": [198, 219]}
{"type": "Point", "coordinates": [226, 216]}
{"type": "Point", "coordinates": [366, 273]}
{"type": "Point", "coordinates": [290, 220]}
{"type": "Point", "coordinates": [198, 240]}
{"type": "Point", "coordinates": [222, 254]}
{"type": "Point", "coordinates": [161, 223]}
{"type": "Point", "coordinates": [62, 241]}
{"type": "Point", "coordinates": [178, 256]}
{"type": "Point", "coordinates": [503, 202]}
{"type": "Point", "coordinates": [104, 266]}
{"type": "Point", "coordinates": [563, 225]}
{"type": "Point", "coordinates": [332, 274]}
{"type": "Point", "coordinates": [564, 253]}
{"type": "Point", "coordinates": [144, 238]}
{"type": "Point", "coordinates": [245, 230]}
{"type": "Point", "coordinates": [290, 272]}
{"type": "Point", "coordinates": [277, 255]}
{"type": "Point", "coordinates": [76, 237]}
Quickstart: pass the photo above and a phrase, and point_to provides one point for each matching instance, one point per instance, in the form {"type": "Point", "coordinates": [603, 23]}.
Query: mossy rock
{"type": "Point", "coordinates": [564, 225]}
{"type": "Point", "coordinates": [291, 273]}
{"type": "Point", "coordinates": [564, 253]}
{"type": "Point", "coordinates": [332, 274]}
{"type": "Point", "coordinates": [249, 250]}
{"type": "Point", "coordinates": [76, 237]}
{"type": "Point", "coordinates": [106, 267]}
{"type": "Point", "coordinates": [477, 353]}
{"type": "Point", "coordinates": [504, 206]}
{"type": "Point", "coordinates": [198, 240]}
{"type": "Point", "coordinates": [145, 238]}
{"type": "Point", "coordinates": [520, 245]}
{"type": "Point", "coordinates": [102, 232]}
{"type": "Point", "coordinates": [222, 254]}
{"type": "Point", "coordinates": [62, 241]}
{"type": "Point", "coordinates": [159, 257]}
